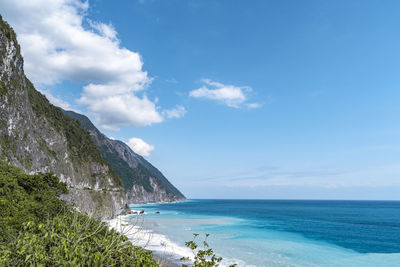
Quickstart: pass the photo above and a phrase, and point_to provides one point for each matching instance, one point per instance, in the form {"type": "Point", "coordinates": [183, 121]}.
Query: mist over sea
{"type": "Point", "coordinates": [280, 232]}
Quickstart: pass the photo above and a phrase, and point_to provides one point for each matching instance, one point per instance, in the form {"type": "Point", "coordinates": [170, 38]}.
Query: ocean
{"type": "Point", "coordinates": [277, 232]}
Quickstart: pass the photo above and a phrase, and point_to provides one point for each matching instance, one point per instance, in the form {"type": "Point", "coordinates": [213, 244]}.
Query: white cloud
{"type": "Point", "coordinates": [112, 111]}
{"type": "Point", "coordinates": [177, 112]}
{"type": "Point", "coordinates": [140, 147]}
{"type": "Point", "coordinates": [104, 29]}
{"type": "Point", "coordinates": [230, 95]}
{"type": "Point", "coordinates": [60, 43]}
{"type": "Point", "coordinates": [254, 105]}
{"type": "Point", "coordinates": [307, 181]}
{"type": "Point", "coordinates": [314, 176]}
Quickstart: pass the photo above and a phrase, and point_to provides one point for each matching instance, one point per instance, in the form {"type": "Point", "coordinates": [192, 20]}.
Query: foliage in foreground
{"type": "Point", "coordinates": [71, 240]}
{"type": "Point", "coordinates": [25, 198]}
{"type": "Point", "coordinates": [204, 257]}
{"type": "Point", "coordinates": [36, 228]}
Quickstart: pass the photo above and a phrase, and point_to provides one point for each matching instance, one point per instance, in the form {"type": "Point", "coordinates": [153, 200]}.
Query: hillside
{"type": "Point", "coordinates": [142, 181]}
{"type": "Point", "coordinates": [39, 229]}
{"type": "Point", "coordinates": [38, 137]}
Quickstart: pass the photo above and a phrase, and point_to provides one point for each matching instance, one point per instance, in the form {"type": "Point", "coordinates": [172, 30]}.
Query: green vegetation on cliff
{"type": "Point", "coordinates": [138, 175]}
{"type": "Point", "coordinates": [129, 176]}
{"type": "Point", "coordinates": [36, 135]}
{"type": "Point", "coordinates": [9, 33]}
{"type": "Point", "coordinates": [79, 141]}
{"type": "Point", "coordinates": [80, 145]}
{"type": "Point", "coordinates": [36, 228]}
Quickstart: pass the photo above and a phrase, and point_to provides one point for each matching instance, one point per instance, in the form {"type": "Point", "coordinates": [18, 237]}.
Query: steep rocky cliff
{"type": "Point", "coordinates": [38, 137]}
{"type": "Point", "coordinates": [142, 181]}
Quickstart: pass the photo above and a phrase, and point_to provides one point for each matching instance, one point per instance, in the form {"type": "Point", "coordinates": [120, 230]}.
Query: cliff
{"type": "Point", "coordinates": [38, 137]}
{"type": "Point", "coordinates": [143, 182]}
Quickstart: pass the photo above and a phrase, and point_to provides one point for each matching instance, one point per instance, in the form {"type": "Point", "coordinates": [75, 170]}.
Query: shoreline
{"type": "Point", "coordinates": [255, 238]}
{"type": "Point", "coordinates": [165, 252]}
{"type": "Point", "coordinates": [164, 262]}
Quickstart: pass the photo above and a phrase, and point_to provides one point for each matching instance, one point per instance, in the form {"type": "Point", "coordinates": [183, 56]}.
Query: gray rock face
{"type": "Point", "coordinates": [143, 182]}
{"type": "Point", "coordinates": [137, 194]}
{"type": "Point", "coordinates": [37, 137]}
{"type": "Point", "coordinates": [152, 186]}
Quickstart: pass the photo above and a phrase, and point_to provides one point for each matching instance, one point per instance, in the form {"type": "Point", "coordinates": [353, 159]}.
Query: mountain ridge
{"type": "Point", "coordinates": [38, 137]}
{"type": "Point", "coordinates": [142, 181]}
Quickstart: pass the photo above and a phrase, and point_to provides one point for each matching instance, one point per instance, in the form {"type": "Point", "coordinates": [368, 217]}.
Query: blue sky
{"type": "Point", "coordinates": [231, 99]}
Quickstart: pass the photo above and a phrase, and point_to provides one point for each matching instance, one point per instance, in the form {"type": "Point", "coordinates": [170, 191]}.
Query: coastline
{"type": "Point", "coordinates": [142, 227]}
{"type": "Point", "coordinates": [164, 262]}
{"type": "Point", "coordinates": [165, 252]}
{"type": "Point", "coordinates": [260, 232]}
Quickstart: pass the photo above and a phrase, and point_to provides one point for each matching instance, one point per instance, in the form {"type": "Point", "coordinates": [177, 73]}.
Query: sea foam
{"type": "Point", "coordinates": [132, 226]}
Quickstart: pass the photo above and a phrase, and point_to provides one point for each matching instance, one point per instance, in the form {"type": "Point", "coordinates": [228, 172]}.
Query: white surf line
{"type": "Point", "coordinates": [157, 243]}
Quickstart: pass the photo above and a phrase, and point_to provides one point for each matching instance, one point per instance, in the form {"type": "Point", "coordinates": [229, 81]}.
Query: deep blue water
{"type": "Point", "coordinates": [364, 226]}
{"type": "Point", "coordinates": [292, 230]}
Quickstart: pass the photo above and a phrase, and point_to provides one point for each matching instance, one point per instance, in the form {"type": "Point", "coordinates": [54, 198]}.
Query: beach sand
{"type": "Point", "coordinates": [164, 262]}
{"type": "Point", "coordinates": [165, 252]}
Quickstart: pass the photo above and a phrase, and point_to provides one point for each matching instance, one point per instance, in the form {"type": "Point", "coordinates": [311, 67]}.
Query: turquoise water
{"type": "Point", "coordinates": [285, 232]}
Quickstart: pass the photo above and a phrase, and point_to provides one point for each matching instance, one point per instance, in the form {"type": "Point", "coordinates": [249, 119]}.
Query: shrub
{"type": "Point", "coordinates": [26, 198]}
{"type": "Point", "coordinates": [204, 257]}
{"type": "Point", "coordinates": [73, 239]}
{"type": "Point", "coordinates": [38, 229]}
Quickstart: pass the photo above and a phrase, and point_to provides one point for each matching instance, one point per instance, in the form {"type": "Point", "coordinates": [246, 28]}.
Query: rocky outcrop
{"type": "Point", "coordinates": [38, 137]}
{"type": "Point", "coordinates": [143, 182]}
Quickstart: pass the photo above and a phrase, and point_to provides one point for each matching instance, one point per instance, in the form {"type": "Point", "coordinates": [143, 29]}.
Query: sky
{"type": "Point", "coordinates": [231, 99]}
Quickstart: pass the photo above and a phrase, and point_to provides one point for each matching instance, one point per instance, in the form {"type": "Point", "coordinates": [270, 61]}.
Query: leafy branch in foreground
{"type": "Point", "coordinates": [203, 257]}
{"type": "Point", "coordinates": [38, 229]}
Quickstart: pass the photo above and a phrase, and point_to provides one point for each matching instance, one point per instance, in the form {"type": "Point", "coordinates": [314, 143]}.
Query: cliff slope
{"type": "Point", "coordinates": [38, 137]}
{"type": "Point", "coordinates": [143, 182]}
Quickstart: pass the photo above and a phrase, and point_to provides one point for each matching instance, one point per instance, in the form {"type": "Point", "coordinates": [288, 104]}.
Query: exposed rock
{"type": "Point", "coordinates": [143, 182]}
{"type": "Point", "coordinates": [102, 174]}
{"type": "Point", "coordinates": [38, 137]}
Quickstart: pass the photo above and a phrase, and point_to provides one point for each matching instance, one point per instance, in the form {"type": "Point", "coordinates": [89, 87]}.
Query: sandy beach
{"type": "Point", "coordinates": [165, 252]}
{"type": "Point", "coordinates": [164, 262]}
